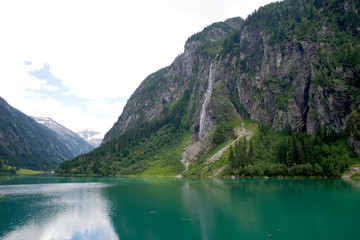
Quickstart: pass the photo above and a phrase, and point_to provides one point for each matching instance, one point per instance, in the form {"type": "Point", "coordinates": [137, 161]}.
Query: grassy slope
{"type": "Point", "coordinates": [167, 162]}
{"type": "Point", "coordinates": [202, 168]}
{"type": "Point", "coordinates": [23, 171]}
{"type": "Point", "coordinates": [356, 176]}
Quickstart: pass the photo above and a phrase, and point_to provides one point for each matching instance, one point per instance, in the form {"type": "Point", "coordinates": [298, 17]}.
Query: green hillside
{"type": "Point", "coordinates": [291, 68]}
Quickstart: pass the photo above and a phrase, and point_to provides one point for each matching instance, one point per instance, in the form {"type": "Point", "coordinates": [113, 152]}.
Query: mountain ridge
{"type": "Point", "coordinates": [291, 66]}
{"type": "Point", "coordinates": [182, 65]}
{"type": "Point", "coordinates": [28, 144]}
{"type": "Point", "coordinates": [91, 136]}
{"type": "Point", "coordinates": [72, 140]}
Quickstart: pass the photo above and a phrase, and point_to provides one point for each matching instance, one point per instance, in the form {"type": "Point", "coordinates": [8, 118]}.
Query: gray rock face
{"type": "Point", "coordinates": [168, 84]}
{"type": "Point", "coordinates": [280, 84]}
{"type": "Point", "coordinates": [355, 144]}
{"type": "Point", "coordinates": [353, 126]}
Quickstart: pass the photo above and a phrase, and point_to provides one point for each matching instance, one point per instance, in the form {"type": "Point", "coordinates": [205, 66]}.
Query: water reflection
{"type": "Point", "coordinates": [354, 183]}
{"type": "Point", "coordinates": [256, 209]}
{"type": "Point", "coordinates": [177, 209]}
{"type": "Point", "coordinates": [60, 211]}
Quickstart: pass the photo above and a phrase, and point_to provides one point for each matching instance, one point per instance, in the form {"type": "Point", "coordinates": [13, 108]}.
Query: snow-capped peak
{"type": "Point", "coordinates": [91, 136]}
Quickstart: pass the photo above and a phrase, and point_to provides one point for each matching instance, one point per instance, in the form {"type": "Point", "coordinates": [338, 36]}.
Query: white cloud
{"type": "Point", "coordinates": [83, 214]}
{"type": "Point", "coordinates": [100, 49]}
{"type": "Point", "coordinates": [50, 87]}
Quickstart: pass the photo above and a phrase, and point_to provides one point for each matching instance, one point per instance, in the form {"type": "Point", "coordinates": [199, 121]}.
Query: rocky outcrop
{"type": "Point", "coordinates": [292, 64]}
{"type": "Point", "coordinates": [353, 126]}
{"type": "Point", "coordinates": [166, 86]}
{"type": "Point", "coordinates": [297, 82]}
{"type": "Point", "coordinates": [277, 84]}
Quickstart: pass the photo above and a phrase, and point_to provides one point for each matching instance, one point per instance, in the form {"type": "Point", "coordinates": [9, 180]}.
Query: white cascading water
{"type": "Point", "coordinates": [206, 102]}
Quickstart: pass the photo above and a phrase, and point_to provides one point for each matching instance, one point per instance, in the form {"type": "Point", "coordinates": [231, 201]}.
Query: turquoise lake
{"type": "Point", "coordinates": [49, 207]}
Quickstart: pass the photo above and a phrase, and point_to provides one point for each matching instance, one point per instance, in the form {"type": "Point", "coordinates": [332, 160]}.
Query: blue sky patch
{"type": "Point", "coordinates": [55, 89]}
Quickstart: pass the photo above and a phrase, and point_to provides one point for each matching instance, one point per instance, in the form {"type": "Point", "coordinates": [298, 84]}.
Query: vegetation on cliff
{"type": "Point", "coordinates": [137, 150]}
{"type": "Point", "coordinates": [291, 154]}
{"type": "Point", "coordinates": [25, 143]}
{"type": "Point", "coordinates": [293, 64]}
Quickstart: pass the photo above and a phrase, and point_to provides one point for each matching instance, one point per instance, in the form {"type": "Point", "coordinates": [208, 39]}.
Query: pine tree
{"type": "Point", "coordinates": [251, 151]}
{"type": "Point", "coordinates": [237, 154]}
{"type": "Point", "coordinates": [232, 158]}
{"type": "Point", "coordinates": [245, 161]}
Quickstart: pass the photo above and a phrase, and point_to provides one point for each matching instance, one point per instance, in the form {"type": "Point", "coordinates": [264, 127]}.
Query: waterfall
{"type": "Point", "coordinates": [205, 103]}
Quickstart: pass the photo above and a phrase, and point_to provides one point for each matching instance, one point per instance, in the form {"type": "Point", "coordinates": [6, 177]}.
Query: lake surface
{"type": "Point", "coordinates": [48, 207]}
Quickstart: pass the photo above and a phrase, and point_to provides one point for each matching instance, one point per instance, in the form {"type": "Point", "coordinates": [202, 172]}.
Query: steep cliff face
{"type": "Point", "coordinates": [290, 83]}
{"type": "Point", "coordinates": [353, 126]}
{"type": "Point", "coordinates": [280, 84]}
{"type": "Point", "coordinates": [293, 64]}
{"type": "Point", "coordinates": [166, 86]}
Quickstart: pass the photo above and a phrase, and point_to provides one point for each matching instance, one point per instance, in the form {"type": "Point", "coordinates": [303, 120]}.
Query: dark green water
{"type": "Point", "coordinates": [45, 207]}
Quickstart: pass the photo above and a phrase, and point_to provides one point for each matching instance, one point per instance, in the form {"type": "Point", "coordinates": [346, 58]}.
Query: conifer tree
{"type": "Point", "coordinates": [251, 151]}
{"type": "Point", "coordinates": [232, 158]}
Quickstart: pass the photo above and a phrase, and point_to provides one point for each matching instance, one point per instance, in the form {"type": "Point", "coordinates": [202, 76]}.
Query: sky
{"type": "Point", "coordinates": [78, 61]}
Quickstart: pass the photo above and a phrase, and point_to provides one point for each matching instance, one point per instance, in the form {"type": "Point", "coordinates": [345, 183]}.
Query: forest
{"type": "Point", "coordinates": [288, 153]}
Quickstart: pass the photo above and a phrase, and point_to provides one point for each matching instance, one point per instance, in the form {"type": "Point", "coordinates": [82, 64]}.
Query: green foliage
{"type": "Point", "coordinates": [27, 144]}
{"type": "Point", "coordinates": [232, 159]}
{"type": "Point", "coordinates": [232, 43]}
{"type": "Point", "coordinates": [4, 169]}
{"type": "Point", "coordinates": [325, 25]}
{"type": "Point", "coordinates": [210, 48]}
{"type": "Point", "coordinates": [302, 19]}
{"type": "Point", "coordinates": [224, 131]}
{"type": "Point", "coordinates": [219, 135]}
{"type": "Point", "coordinates": [210, 38]}
{"type": "Point", "coordinates": [213, 31]}
{"type": "Point", "coordinates": [241, 156]}
{"type": "Point", "coordinates": [23, 171]}
{"type": "Point", "coordinates": [356, 176]}
{"type": "Point", "coordinates": [292, 154]}
{"type": "Point", "coordinates": [129, 153]}
{"type": "Point", "coordinates": [167, 161]}
{"type": "Point", "coordinates": [353, 124]}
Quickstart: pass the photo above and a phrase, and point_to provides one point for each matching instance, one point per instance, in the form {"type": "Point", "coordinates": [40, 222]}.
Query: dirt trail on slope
{"type": "Point", "coordinates": [185, 162]}
{"type": "Point", "coordinates": [242, 132]}
{"type": "Point", "coordinates": [352, 171]}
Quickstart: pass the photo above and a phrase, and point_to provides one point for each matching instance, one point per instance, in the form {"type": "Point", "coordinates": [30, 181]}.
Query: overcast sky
{"type": "Point", "coordinates": [78, 61]}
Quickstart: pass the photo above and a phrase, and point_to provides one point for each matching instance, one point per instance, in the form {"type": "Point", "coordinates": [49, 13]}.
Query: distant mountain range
{"type": "Point", "coordinates": [40, 146]}
{"type": "Point", "coordinates": [73, 141]}
{"type": "Point", "coordinates": [76, 139]}
{"type": "Point", "coordinates": [93, 137]}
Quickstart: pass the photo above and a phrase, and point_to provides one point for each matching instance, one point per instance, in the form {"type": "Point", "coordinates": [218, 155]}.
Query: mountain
{"type": "Point", "coordinates": [28, 144]}
{"type": "Point", "coordinates": [169, 84]}
{"type": "Point", "coordinates": [91, 136]}
{"type": "Point", "coordinates": [288, 78]}
{"type": "Point", "coordinates": [72, 140]}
